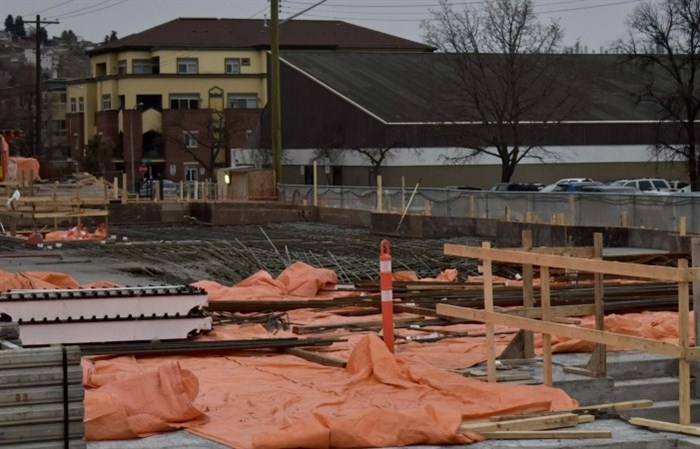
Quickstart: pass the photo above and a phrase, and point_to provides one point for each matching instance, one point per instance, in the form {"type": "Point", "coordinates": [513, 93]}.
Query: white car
{"type": "Point", "coordinates": [646, 185]}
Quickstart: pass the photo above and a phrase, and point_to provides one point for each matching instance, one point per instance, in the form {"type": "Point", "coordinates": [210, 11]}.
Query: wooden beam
{"type": "Point", "coordinates": [576, 263]}
{"type": "Point", "coordinates": [488, 305]}
{"type": "Point", "coordinates": [316, 357]}
{"type": "Point", "coordinates": [665, 426]}
{"type": "Point", "coordinates": [547, 377]}
{"type": "Point", "coordinates": [528, 348]}
{"type": "Point", "coordinates": [593, 335]}
{"type": "Point", "coordinates": [546, 434]}
{"type": "Point", "coordinates": [535, 423]}
{"type": "Point", "coordinates": [571, 251]}
{"type": "Point", "coordinates": [614, 407]}
{"type": "Point", "coordinates": [684, 342]}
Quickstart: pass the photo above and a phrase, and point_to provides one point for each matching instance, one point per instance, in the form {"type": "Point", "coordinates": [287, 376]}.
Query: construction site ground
{"type": "Point", "coordinates": [182, 254]}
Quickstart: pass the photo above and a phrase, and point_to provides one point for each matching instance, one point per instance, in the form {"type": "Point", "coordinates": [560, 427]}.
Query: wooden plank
{"type": "Point", "coordinates": [684, 342]}
{"type": "Point", "coordinates": [546, 434]}
{"type": "Point", "coordinates": [488, 306]}
{"type": "Point", "coordinates": [528, 345]}
{"type": "Point", "coordinates": [576, 263]}
{"type": "Point", "coordinates": [545, 301]}
{"type": "Point", "coordinates": [83, 213]}
{"type": "Point", "coordinates": [311, 328]}
{"type": "Point", "coordinates": [598, 361]}
{"type": "Point", "coordinates": [571, 251]}
{"type": "Point", "coordinates": [665, 426]}
{"type": "Point", "coordinates": [614, 407]}
{"type": "Point", "coordinates": [316, 357]}
{"type": "Point", "coordinates": [536, 423]}
{"type": "Point", "coordinates": [593, 335]}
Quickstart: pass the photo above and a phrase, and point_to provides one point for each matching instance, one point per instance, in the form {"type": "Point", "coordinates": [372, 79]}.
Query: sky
{"type": "Point", "coordinates": [596, 23]}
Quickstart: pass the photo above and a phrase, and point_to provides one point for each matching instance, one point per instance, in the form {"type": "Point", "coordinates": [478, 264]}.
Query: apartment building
{"type": "Point", "coordinates": [173, 100]}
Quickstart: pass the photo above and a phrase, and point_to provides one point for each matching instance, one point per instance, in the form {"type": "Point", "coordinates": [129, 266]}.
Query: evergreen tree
{"type": "Point", "coordinates": [19, 30]}
{"type": "Point", "coordinates": [10, 24]}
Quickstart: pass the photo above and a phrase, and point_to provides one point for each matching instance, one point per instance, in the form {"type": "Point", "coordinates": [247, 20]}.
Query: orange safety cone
{"type": "Point", "coordinates": [386, 286]}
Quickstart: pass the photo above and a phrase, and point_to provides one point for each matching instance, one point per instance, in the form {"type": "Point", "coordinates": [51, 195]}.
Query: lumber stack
{"type": "Point", "coordinates": [41, 397]}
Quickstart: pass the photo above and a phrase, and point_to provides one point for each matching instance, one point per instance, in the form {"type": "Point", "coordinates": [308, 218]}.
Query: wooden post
{"type": "Point", "coordinates": [683, 343]}
{"type": "Point", "coordinates": [488, 306]}
{"type": "Point", "coordinates": [403, 192]}
{"type": "Point", "coordinates": [196, 190]}
{"type": "Point", "coordinates": [507, 213]}
{"type": "Point", "coordinates": [156, 191]}
{"type": "Point", "coordinates": [115, 188]}
{"type": "Point", "coordinates": [695, 258]}
{"type": "Point", "coordinates": [125, 192]}
{"type": "Point", "coordinates": [315, 173]}
{"type": "Point", "coordinates": [379, 194]}
{"type": "Point", "coordinates": [598, 362]}
{"type": "Point", "coordinates": [682, 225]}
{"type": "Point", "coordinates": [546, 316]}
{"type": "Point", "coordinates": [572, 210]}
{"type": "Point", "coordinates": [528, 295]}
{"type": "Point", "coordinates": [623, 219]}
{"type": "Point", "coordinates": [55, 202]}
{"type": "Point", "coordinates": [472, 206]}
{"type": "Point", "coordinates": [426, 208]}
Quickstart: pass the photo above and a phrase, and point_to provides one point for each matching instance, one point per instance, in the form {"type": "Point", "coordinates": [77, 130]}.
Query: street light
{"type": "Point", "coordinates": [131, 137]}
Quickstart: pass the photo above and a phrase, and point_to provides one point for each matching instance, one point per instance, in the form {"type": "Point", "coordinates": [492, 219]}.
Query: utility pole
{"type": "Point", "coordinates": [37, 124]}
{"type": "Point", "coordinates": [275, 101]}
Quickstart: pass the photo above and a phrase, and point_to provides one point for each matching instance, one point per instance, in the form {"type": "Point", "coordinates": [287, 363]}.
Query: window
{"type": "Point", "coordinates": [145, 66]}
{"type": "Point", "coordinates": [106, 102]}
{"type": "Point", "coordinates": [190, 139]}
{"type": "Point", "coordinates": [190, 172]}
{"type": "Point", "coordinates": [121, 69]}
{"type": "Point", "coordinates": [245, 61]}
{"type": "Point", "coordinates": [242, 101]}
{"type": "Point", "coordinates": [72, 105]}
{"type": "Point", "coordinates": [81, 104]}
{"type": "Point", "coordinates": [233, 66]}
{"type": "Point", "coordinates": [187, 66]}
{"type": "Point", "coordinates": [184, 101]}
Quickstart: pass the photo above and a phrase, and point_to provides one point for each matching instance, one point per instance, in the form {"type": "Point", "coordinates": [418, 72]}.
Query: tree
{"type": "Point", "coordinates": [663, 42]}
{"type": "Point", "coordinates": [9, 23]}
{"type": "Point", "coordinates": [18, 29]}
{"type": "Point", "coordinates": [376, 157]}
{"type": "Point", "coordinates": [98, 155]}
{"type": "Point", "coordinates": [110, 37]}
{"type": "Point", "coordinates": [206, 142]}
{"type": "Point", "coordinates": [502, 76]}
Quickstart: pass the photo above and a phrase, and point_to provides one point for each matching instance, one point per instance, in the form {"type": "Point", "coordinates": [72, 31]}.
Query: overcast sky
{"type": "Point", "coordinates": [595, 22]}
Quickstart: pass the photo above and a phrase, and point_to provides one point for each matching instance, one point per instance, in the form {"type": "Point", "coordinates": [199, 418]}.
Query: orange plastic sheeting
{"type": "Point", "coordinates": [35, 279]}
{"type": "Point", "coordinates": [132, 402]}
{"type": "Point", "coordinates": [299, 280]}
{"type": "Point", "coordinates": [45, 279]}
{"type": "Point", "coordinates": [448, 275]}
{"type": "Point", "coordinates": [285, 402]}
{"type": "Point", "coordinates": [79, 232]}
{"type": "Point", "coordinates": [661, 326]}
{"type": "Point", "coordinates": [23, 168]}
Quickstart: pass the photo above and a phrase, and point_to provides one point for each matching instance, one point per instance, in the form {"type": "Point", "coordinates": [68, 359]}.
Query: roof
{"type": "Point", "coordinates": [408, 87]}
{"type": "Point", "coordinates": [255, 33]}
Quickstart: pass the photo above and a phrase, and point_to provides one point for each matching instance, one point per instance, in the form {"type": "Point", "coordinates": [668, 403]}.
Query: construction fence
{"type": "Point", "coordinates": [652, 211]}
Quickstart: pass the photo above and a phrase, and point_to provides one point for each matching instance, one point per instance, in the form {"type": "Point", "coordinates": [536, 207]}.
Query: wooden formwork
{"type": "Point", "coordinates": [682, 275]}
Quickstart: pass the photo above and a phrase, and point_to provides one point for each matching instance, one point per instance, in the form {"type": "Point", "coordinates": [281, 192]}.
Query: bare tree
{"type": "Point", "coordinates": [663, 40]}
{"type": "Point", "coordinates": [98, 156]}
{"type": "Point", "coordinates": [376, 157]}
{"type": "Point", "coordinates": [206, 141]}
{"type": "Point", "coordinates": [503, 76]}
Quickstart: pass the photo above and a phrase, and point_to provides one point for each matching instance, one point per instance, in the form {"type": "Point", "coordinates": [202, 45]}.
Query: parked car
{"type": "Point", "coordinates": [516, 187]}
{"type": "Point", "coordinates": [169, 188]}
{"type": "Point", "coordinates": [578, 186]}
{"type": "Point", "coordinates": [563, 182]}
{"type": "Point", "coordinates": [622, 190]}
{"type": "Point", "coordinates": [680, 186]}
{"type": "Point", "coordinates": [646, 185]}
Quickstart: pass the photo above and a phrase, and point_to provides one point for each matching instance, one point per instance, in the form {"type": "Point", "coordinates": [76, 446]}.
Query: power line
{"type": "Point", "coordinates": [89, 9]}
{"type": "Point", "coordinates": [49, 8]}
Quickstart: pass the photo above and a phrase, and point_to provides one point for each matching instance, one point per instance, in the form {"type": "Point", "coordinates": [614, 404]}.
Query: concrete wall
{"type": "Point", "coordinates": [499, 232]}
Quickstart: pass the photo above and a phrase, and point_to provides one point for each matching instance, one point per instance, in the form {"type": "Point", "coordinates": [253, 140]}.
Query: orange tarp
{"type": "Point", "coordinates": [297, 280]}
{"type": "Point", "coordinates": [25, 168]}
{"type": "Point", "coordinates": [278, 401]}
{"type": "Point", "coordinates": [285, 402]}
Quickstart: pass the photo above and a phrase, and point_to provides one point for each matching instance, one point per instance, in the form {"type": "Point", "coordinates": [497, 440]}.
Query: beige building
{"type": "Point", "coordinates": [173, 101]}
